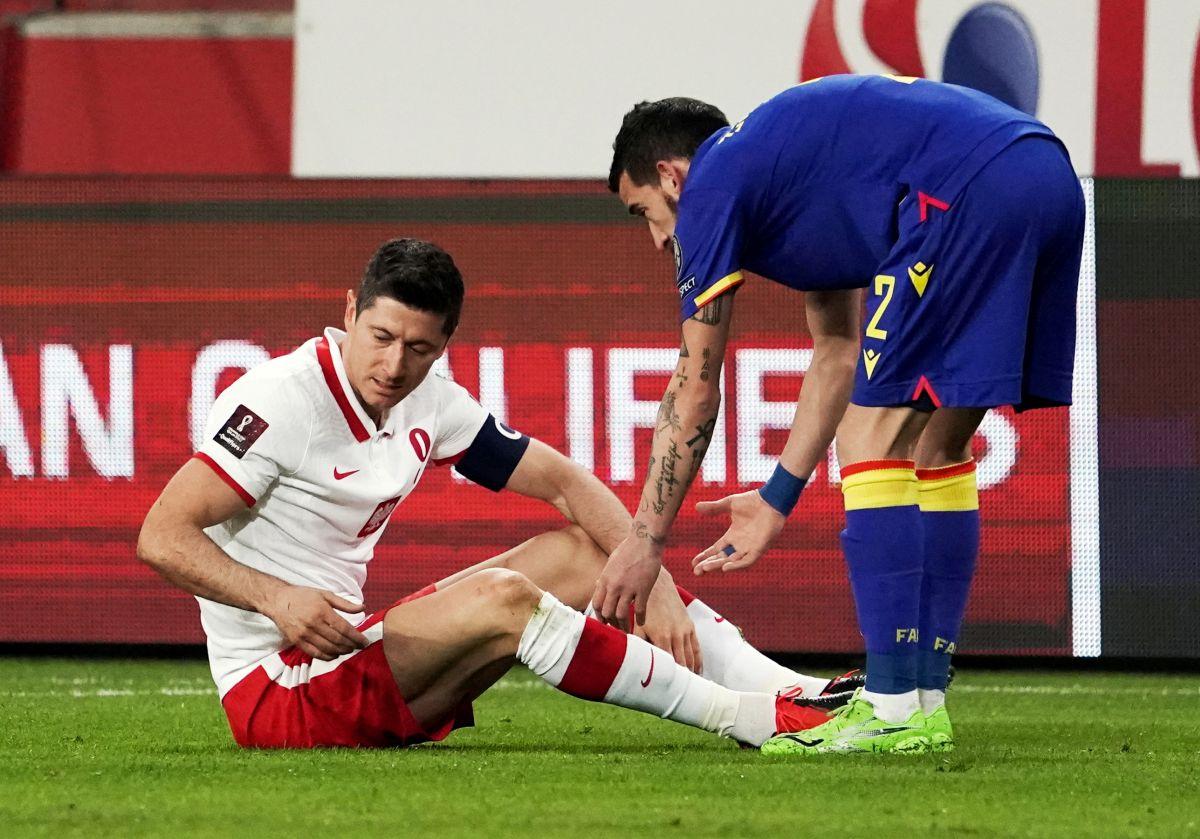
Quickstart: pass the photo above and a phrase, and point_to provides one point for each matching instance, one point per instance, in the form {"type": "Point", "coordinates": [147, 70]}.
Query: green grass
{"type": "Point", "coordinates": [141, 748]}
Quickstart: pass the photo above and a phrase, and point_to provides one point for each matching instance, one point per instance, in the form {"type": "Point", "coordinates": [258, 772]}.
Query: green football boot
{"type": "Point", "coordinates": [855, 728]}
{"type": "Point", "coordinates": [941, 734]}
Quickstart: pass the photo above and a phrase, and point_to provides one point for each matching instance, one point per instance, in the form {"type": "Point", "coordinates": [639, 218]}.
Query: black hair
{"type": "Point", "coordinates": [416, 273]}
{"type": "Point", "coordinates": [662, 130]}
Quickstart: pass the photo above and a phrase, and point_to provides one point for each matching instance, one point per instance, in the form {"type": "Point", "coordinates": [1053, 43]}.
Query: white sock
{"type": "Point", "coordinates": [931, 700]}
{"type": "Point", "coordinates": [730, 661]}
{"type": "Point", "coordinates": [893, 707]}
{"type": "Point", "coordinates": [593, 661]}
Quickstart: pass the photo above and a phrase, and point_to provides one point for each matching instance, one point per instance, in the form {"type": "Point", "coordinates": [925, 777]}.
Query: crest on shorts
{"type": "Point", "coordinates": [240, 431]}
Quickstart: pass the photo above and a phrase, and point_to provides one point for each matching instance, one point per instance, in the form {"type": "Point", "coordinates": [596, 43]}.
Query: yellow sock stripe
{"type": "Point", "coordinates": [880, 488]}
{"type": "Point", "coordinates": [945, 495]}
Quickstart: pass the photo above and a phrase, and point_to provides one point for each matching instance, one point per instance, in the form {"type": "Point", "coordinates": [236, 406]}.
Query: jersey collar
{"type": "Point", "coordinates": [329, 357]}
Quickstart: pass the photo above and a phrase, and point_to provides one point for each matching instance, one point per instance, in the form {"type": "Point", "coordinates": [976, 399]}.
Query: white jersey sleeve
{"type": "Point", "coordinates": [483, 449]}
{"type": "Point", "coordinates": [258, 429]}
{"type": "Point", "coordinates": [459, 419]}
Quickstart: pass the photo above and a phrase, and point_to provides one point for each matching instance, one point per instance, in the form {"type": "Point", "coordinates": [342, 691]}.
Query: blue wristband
{"type": "Point", "coordinates": [782, 491]}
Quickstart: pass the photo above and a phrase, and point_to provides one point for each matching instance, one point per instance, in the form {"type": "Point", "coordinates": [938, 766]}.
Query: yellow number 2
{"type": "Point", "coordinates": [884, 285]}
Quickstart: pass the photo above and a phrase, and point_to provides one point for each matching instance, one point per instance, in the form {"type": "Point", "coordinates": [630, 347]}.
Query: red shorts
{"type": "Point", "coordinates": [292, 701]}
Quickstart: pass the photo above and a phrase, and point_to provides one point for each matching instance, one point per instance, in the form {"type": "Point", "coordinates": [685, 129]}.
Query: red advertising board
{"type": "Point", "coordinates": [125, 308]}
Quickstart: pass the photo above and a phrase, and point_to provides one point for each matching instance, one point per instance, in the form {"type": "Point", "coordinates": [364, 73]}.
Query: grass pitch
{"type": "Point", "coordinates": [142, 749]}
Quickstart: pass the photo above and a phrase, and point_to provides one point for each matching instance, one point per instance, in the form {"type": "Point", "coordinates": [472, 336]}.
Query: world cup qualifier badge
{"type": "Point", "coordinates": [240, 431]}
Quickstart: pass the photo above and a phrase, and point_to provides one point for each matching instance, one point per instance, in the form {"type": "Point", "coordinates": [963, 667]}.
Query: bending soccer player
{"type": "Point", "coordinates": [964, 221]}
{"type": "Point", "coordinates": [273, 522]}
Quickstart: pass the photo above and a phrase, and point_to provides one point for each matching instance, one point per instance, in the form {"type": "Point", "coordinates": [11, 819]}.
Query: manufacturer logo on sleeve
{"type": "Point", "coordinates": [240, 431]}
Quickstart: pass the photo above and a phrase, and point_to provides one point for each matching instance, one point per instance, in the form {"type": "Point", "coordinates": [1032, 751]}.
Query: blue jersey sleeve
{"type": "Point", "coordinates": [708, 244]}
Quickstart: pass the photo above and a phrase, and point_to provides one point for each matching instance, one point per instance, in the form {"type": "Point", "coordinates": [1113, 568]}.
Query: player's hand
{"type": "Point", "coordinates": [626, 581]}
{"type": "Point", "coordinates": [307, 619]}
{"type": "Point", "coordinates": [668, 625]}
{"type": "Point", "coordinates": [753, 526]}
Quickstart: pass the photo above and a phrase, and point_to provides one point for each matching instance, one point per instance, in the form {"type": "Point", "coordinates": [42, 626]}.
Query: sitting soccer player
{"type": "Point", "coordinates": [273, 522]}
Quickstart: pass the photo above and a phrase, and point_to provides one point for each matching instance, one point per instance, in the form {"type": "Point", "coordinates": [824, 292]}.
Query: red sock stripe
{"type": "Point", "coordinates": [951, 471]}
{"type": "Point", "coordinates": [872, 465]}
{"type": "Point", "coordinates": [597, 658]}
{"type": "Point", "coordinates": [686, 596]}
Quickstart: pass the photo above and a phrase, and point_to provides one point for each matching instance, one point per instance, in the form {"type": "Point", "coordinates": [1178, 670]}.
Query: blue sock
{"type": "Point", "coordinates": [883, 543]}
{"type": "Point", "coordinates": [949, 502]}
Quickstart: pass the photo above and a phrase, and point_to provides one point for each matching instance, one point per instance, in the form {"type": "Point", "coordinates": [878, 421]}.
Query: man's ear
{"type": "Point", "coordinates": [351, 304]}
{"type": "Point", "coordinates": [671, 175]}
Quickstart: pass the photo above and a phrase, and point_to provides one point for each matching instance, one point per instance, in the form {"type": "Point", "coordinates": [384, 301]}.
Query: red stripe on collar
{"type": "Point", "coordinates": [325, 359]}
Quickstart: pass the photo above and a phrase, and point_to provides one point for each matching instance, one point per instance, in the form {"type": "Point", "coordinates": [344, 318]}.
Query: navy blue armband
{"type": "Point", "coordinates": [782, 491]}
{"type": "Point", "coordinates": [493, 455]}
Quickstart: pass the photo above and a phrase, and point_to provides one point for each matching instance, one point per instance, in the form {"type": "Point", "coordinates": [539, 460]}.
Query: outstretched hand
{"type": "Point", "coordinates": [753, 526]}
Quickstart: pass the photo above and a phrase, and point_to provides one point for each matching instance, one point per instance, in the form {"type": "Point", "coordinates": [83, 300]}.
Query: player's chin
{"type": "Point", "coordinates": [386, 396]}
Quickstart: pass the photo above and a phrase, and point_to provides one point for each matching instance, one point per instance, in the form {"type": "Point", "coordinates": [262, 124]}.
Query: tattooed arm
{"type": "Point", "coordinates": [833, 320]}
{"type": "Point", "coordinates": [682, 433]}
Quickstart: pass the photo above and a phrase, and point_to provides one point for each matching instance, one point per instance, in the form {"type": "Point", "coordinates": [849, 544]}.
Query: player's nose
{"type": "Point", "coordinates": [393, 361]}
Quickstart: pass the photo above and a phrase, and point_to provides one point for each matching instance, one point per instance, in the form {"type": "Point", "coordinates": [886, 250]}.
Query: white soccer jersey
{"type": "Point", "coordinates": [320, 481]}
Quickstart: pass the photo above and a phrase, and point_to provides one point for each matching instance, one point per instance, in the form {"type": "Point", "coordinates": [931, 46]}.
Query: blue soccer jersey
{"type": "Point", "coordinates": [807, 190]}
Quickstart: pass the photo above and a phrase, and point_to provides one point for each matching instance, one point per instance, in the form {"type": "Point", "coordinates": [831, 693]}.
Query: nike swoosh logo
{"type": "Point", "coordinates": [337, 476]}
{"type": "Point", "coordinates": [801, 741]}
{"type": "Point", "coordinates": [649, 675]}
{"type": "Point", "coordinates": [719, 619]}
{"type": "Point", "coordinates": [880, 732]}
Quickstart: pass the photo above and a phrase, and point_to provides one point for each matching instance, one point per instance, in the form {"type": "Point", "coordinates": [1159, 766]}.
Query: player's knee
{"type": "Point", "coordinates": [936, 456]}
{"type": "Point", "coordinates": [504, 588]}
{"type": "Point", "coordinates": [878, 433]}
{"type": "Point", "coordinates": [947, 439]}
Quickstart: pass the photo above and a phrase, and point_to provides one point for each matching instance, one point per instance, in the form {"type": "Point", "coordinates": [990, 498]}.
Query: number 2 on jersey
{"type": "Point", "coordinates": [884, 285]}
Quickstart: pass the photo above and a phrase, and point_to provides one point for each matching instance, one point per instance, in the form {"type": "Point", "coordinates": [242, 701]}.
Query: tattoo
{"type": "Point", "coordinates": [642, 532]}
{"type": "Point", "coordinates": [704, 367]}
{"type": "Point", "coordinates": [666, 482]}
{"type": "Point", "coordinates": [712, 313]}
{"type": "Point", "coordinates": [704, 433]}
{"type": "Point", "coordinates": [683, 350]}
{"type": "Point", "coordinates": [694, 469]}
{"type": "Point", "coordinates": [668, 417]}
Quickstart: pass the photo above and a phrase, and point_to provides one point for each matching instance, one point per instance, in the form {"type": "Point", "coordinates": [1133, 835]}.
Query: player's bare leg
{"type": "Point", "coordinates": [947, 437]}
{"type": "Point", "coordinates": [447, 647]}
{"type": "Point", "coordinates": [949, 501]}
{"type": "Point", "coordinates": [567, 563]}
{"type": "Point", "coordinates": [879, 433]}
{"type": "Point", "coordinates": [563, 562]}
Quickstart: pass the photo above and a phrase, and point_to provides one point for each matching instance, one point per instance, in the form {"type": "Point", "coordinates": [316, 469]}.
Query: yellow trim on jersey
{"type": "Point", "coordinates": [946, 495]}
{"type": "Point", "coordinates": [880, 488]}
{"type": "Point", "coordinates": [724, 284]}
